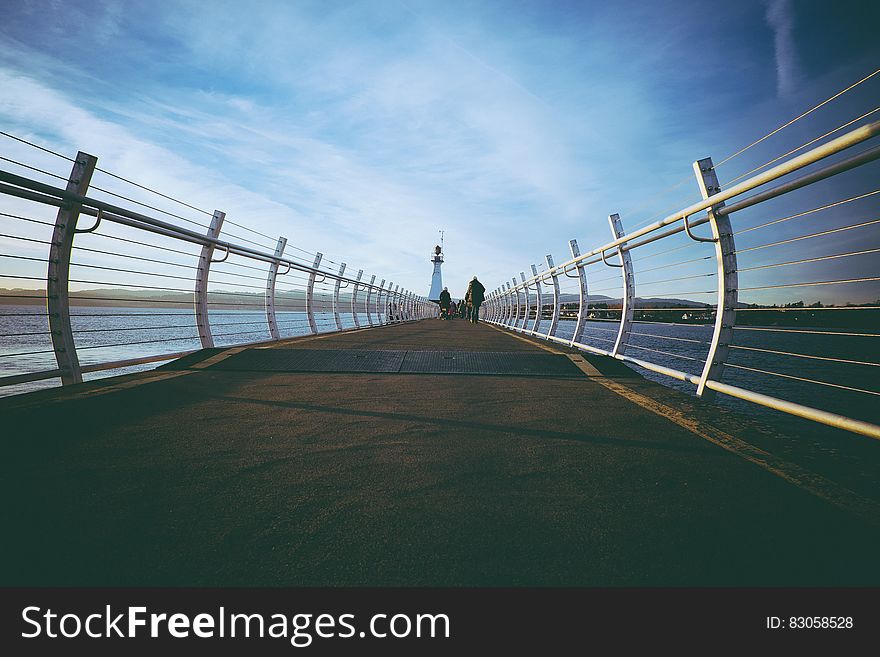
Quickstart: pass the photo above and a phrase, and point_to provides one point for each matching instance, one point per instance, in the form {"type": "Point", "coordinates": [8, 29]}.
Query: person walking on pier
{"type": "Point", "coordinates": [445, 300]}
{"type": "Point", "coordinates": [474, 298]}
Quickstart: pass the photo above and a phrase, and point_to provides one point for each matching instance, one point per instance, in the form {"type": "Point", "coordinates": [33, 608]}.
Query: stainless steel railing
{"type": "Point", "coordinates": [191, 285]}
{"type": "Point", "coordinates": [722, 273]}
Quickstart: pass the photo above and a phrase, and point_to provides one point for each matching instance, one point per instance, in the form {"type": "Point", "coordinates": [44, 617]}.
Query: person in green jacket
{"type": "Point", "coordinates": [474, 297]}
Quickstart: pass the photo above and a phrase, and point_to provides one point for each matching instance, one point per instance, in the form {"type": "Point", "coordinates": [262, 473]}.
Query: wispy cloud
{"type": "Point", "coordinates": [780, 18]}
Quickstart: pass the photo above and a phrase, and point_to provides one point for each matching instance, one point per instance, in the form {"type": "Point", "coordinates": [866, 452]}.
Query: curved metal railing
{"type": "Point", "coordinates": [132, 284]}
{"type": "Point", "coordinates": [714, 339]}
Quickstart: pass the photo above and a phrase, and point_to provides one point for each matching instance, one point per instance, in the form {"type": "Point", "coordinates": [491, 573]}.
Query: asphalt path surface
{"type": "Point", "coordinates": [195, 475]}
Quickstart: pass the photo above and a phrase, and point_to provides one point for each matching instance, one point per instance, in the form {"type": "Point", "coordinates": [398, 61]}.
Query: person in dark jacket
{"type": "Point", "coordinates": [475, 295]}
{"type": "Point", "coordinates": [445, 300]}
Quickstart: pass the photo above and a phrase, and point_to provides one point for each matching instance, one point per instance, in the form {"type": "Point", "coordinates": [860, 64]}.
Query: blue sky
{"type": "Point", "coordinates": [362, 128]}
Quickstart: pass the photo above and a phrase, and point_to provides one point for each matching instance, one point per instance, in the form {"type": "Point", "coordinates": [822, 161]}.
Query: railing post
{"type": "Point", "coordinates": [367, 300]}
{"type": "Point", "coordinates": [354, 294]}
{"type": "Point", "coordinates": [392, 304]}
{"type": "Point", "coordinates": [539, 300]}
{"type": "Point", "coordinates": [386, 307]}
{"type": "Point", "coordinates": [583, 295]}
{"type": "Point", "coordinates": [554, 319]}
{"type": "Point", "coordinates": [336, 317]}
{"type": "Point", "coordinates": [728, 285]}
{"type": "Point", "coordinates": [203, 321]}
{"type": "Point", "coordinates": [628, 300]}
{"type": "Point", "coordinates": [310, 294]}
{"type": "Point", "coordinates": [515, 324]}
{"type": "Point", "coordinates": [525, 321]}
{"type": "Point", "coordinates": [378, 303]}
{"type": "Point", "coordinates": [270, 289]}
{"type": "Point", "coordinates": [508, 313]}
{"type": "Point", "coordinates": [58, 271]}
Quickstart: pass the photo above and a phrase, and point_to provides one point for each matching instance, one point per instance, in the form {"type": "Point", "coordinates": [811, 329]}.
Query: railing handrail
{"type": "Point", "coordinates": [57, 197]}
{"type": "Point", "coordinates": [389, 306]}
{"type": "Point", "coordinates": [833, 147]}
{"type": "Point", "coordinates": [506, 309]}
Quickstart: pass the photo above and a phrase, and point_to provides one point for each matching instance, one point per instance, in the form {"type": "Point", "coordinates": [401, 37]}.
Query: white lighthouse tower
{"type": "Point", "coordinates": [436, 277]}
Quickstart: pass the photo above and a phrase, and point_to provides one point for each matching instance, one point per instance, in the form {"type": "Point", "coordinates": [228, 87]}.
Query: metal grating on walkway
{"type": "Point", "coordinates": [508, 363]}
{"type": "Point", "coordinates": [313, 360]}
{"type": "Point", "coordinates": [405, 362]}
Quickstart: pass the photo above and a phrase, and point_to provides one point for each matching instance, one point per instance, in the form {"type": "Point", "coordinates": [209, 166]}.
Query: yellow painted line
{"type": "Point", "coordinates": [143, 379]}
{"type": "Point", "coordinates": [841, 497]}
{"type": "Point", "coordinates": [811, 482]}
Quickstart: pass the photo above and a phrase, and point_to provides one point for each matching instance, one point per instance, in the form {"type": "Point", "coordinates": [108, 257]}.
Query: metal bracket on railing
{"type": "Point", "coordinates": [725, 257]}
{"type": "Point", "coordinates": [202, 272]}
{"type": "Point", "coordinates": [610, 264]}
{"type": "Point", "coordinates": [554, 319]}
{"type": "Point", "coordinates": [310, 294]}
{"type": "Point", "coordinates": [583, 297]}
{"type": "Point", "coordinates": [93, 228]}
{"type": "Point", "coordinates": [696, 238]}
{"type": "Point", "coordinates": [58, 272]}
{"type": "Point", "coordinates": [225, 247]}
{"type": "Point", "coordinates": [628, 299]}
{"type": "Point", "coordinates": [270, 288]}
{"type": "Point", "coordinates": [286, 271]}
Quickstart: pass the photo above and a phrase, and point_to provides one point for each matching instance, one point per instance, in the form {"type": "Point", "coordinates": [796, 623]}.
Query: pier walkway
{"type": "Point", "coordinates": [429, 453]}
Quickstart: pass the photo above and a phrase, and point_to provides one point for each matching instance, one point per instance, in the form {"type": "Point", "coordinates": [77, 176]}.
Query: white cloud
{"type": "Point", "coordinates": [781, 20]}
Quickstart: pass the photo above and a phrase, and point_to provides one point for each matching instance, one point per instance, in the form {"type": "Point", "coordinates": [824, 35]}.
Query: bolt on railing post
{"type": "Point", "coordinates": [367, 300]}
{"type": "Point", "coordinates": [539, 300]}
{"type": "Point", "coordinates": [727, 278]}
{"type": "Point", "coordinates": [203, 321]}
{"type": "Point", "coordinates": [336, 316]}
{"type": "Point", "coordinates": [554, 319]}
{"type": "Point", "coordinates": [628, 299]}
{"type": "Point", "coordinates": [310, 294]}
{"type": "Point", "coordinates": [583, 295]}
{"type": "Point", "coordinates": [354, 293]}
{"type": "Point", "coordinates": [58, 271]}
{"type": "Point", "coordinates": [525, 321]}
{"type": "Point", "coordinates": [270, 289]}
